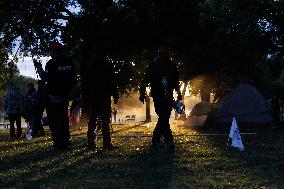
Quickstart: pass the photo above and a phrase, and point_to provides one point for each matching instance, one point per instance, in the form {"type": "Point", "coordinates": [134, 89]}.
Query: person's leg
{"type": "Point", "coordinates": [105, 116]}
{"type": "Point", "coordinates": [65, 124]}
{"type": "Point", "coordinates": [34, 123]}
{"type": "Point", "coordinates": [53, 123]}
{"type": "Point", "coordinates": [18, 123]}
{"type": "Point", "coordinates": [12, 126]}
{"type": "Point", "coordinates": [157, 133]}
{"type": "Point", "coordinates": [167, 132]}
{"type": "Point", "coordinates": [40, 129]}
{"type": "Point", "coordinates": [106, 131]}
{"type": "Point", "coordinates": [91, 134]}
{"type": "Point", "coordinates": [163, 110]}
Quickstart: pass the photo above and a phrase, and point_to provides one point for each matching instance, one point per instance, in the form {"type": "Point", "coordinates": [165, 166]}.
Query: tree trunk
{"type": "Point", "coordinates": [148, 112]}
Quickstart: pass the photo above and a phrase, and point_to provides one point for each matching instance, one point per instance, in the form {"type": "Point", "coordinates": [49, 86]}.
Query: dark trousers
{"type": "Point", "coordinates": [15, 118]}
{"type": "Point", "coordinates": [37, 124]}
{"type": "Point", "coordinates": [100, 108]}
{"type": "Point", "coordinates": [163, 109]}
{"type": "Point", "coordinates": [57, 114]}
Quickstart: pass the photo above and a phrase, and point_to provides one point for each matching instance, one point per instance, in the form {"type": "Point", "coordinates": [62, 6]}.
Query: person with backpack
{"type": "Point", "coordinates": [60, 77]}
{"type": "Point", "coordinates": [163, 77]}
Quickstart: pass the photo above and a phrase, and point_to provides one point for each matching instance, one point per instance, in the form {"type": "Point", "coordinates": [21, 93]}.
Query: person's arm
{"type": "Point", "coordinates": [38, 66]}
{"type": "Point", "coordinates": [144, 83]}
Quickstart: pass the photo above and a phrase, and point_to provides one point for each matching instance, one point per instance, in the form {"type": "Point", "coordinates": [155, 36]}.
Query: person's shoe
{"type": "Point", "coordinates": [170, 146]}
{"type": "Point", "coordinates": [156, 145]}
{"type": "Point", "coordinates": [60, 147]}
{"type": "Point", "coordinates": [92, 145]}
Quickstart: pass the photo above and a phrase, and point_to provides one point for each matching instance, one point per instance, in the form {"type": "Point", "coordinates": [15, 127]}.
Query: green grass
{"type": "Point", "coordinates": [198, 162]}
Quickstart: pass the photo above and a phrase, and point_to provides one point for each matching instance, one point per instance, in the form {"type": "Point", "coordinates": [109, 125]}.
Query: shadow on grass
{"type": "Point", "coordinates": [127, 167]}
{"type": "Point", "coordinates": [259, 166]}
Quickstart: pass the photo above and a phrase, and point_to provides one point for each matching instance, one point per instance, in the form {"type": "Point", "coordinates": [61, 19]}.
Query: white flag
{"type": "Point", "coordinates": [235, 136]}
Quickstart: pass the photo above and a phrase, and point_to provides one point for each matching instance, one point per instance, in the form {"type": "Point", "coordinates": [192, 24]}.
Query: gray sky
{"type": "Point", "coordinates": [26, 66]}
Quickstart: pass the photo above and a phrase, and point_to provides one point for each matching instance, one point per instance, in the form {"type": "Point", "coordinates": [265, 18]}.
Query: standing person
{"type": "Point", "coordinates": [40, 105]}
{"type": "Point", "coordinates": [29, 112]}
{"type": "Point", "coordinates": [13, 105]}
{"type": "Point", "coordinates": [100, 92]}
{"type": "Point", "coordinates": [60, 77]}
{"type": "Point", "coordinates": [162, 75]}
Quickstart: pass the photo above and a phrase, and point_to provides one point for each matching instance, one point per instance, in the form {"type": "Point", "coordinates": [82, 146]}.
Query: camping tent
{"type": "Point", "coordinates": [201, 108]}
{"type": "Point", "coordinates": [247, 105]}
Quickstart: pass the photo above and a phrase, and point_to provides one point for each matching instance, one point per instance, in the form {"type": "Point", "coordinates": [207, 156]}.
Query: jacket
{"type": "Point", "coordinates": [163, 78]}
{"type": "Point", "coordinates": [13, 102]}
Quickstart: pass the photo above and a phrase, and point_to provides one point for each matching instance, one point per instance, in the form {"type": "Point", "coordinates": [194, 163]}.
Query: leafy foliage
{"type": "Point", "coordinates": [225, 40]}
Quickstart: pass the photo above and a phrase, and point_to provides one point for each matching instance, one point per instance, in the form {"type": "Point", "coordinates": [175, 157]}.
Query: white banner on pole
{"type": "Point", "coordinates": [235, 136]}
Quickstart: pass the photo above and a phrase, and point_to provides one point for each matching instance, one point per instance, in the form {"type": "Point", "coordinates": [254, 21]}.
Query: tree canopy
{"type": "Point", "coordinates": [225, 41]}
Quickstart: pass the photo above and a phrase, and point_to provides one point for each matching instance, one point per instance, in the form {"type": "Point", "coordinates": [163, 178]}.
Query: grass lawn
{"type": "Point", "coordinates": [199, 161]}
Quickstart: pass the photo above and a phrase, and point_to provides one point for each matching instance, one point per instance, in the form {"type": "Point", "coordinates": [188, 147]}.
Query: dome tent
{"type": "Point", "coordinates": [248, 106]}
{"type": "Point", "coordinates": [201, 108]}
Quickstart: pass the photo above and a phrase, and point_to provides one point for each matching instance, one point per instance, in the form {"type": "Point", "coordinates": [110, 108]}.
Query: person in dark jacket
{"type": "Point", "coordinates": [13, 105]}
{"type": "Point", "coordinates": [162, 75]}
{"type": "Point", "coordinates": [60, 76]}
{"type": "Point", "coordinates": [40, 105]}
{"type": "Point", "coordinates": [30, 111]}
{"type": "Point", "coordinates": [102, 85]}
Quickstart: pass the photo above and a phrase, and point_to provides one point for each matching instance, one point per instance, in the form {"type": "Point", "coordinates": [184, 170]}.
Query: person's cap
{"type": "Point", "coordinates": [56, 45]}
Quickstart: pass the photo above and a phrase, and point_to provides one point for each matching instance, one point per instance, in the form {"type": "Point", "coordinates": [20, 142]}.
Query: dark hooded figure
{"type": "Point", "coordinates": [60, 77]}
{"type": "Point", "coordinates": [102, 85]}
{"type": "Point", "coordinates": [162, 75]}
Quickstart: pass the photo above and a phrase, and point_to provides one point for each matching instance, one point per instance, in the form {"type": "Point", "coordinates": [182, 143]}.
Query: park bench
{"type": "Point", "coordinates": [130, 118]}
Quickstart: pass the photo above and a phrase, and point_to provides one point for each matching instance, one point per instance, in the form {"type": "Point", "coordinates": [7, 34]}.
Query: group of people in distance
{"type": "Point", "coordinates": [30, 105]}
{"type": "Point", "coordinates": [60, 77]}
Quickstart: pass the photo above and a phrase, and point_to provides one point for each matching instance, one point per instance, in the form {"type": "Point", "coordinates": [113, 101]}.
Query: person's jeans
{"type": "Point", "coordinates": [57, 114]}
{"type": "Point", "coordinates": [100, 109]}
{"type": "Point", "coordinates": [163, 109]}
{"type": "Point", "coordinates": [15, 118]}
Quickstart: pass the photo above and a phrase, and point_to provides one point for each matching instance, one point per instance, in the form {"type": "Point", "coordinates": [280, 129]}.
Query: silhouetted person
{"type": "Point", "coordinates": [162, 75]}
{"type": "Point", "coordinates": [60, 77]}
{"type": "Point", "coordinates": [40, 105]}
{"type": "Point", "coordinates": [30, 111]}
{"type": "Point", "coordinates": [102, 86]}
{"type": "Point", "coordinates": [13, 105]}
